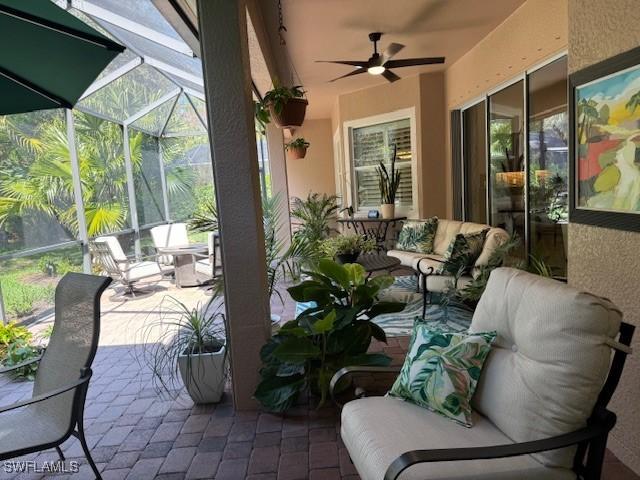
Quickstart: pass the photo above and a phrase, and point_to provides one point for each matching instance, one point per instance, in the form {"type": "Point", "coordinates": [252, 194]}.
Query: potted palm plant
{"type": "Point", "coordinates": [388, 182]}
{"type": "Point", "coordinates": [297, 149]}
{"type": "Point", "coordinates": [188, 344]}
{"type": "Point", "coordinates": [286, 105]}
{"type": "Point", "coordinates": [346, 248]}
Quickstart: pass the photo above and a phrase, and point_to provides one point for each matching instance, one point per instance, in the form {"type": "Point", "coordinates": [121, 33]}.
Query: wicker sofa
{"type": "Point", "coordinates": [446, 232]}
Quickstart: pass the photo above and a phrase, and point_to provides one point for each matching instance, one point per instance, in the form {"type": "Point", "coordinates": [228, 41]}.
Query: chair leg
{"type": "Point", "coordinates": [60, 454]}
{"type": "Point", "coordinates": [87, 453]}
{"type": "Point", "coordinates": [595, 458]}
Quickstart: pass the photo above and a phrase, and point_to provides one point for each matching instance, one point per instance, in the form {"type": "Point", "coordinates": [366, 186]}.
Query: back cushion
{"type": "Point", "coordinates": [447, 231]}
{"type": "Point", "coordinates": [549, 361]}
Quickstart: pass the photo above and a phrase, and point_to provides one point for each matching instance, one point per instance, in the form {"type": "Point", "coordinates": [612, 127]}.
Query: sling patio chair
{"type": "Point", "coordinates": [55, 411]}
{"type": "Point", "coordinates": [108, 254]}
{"type": "Point", "coordinates": [540, 408]}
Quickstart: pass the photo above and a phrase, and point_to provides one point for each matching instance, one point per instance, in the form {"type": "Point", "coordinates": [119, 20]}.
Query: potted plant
{"type": "Point", "coordinates": [188, 344]}
{"type": "Point", "coordinates": [286, 105]}
{"type": "Point", "coordinates": [306, 352]}
{"type": "Point", "coordinates": [388, 182]}
{"type": "Point", "coordinates": [297, 149]}
{"type": "Point", "coordinates": [346, 248]}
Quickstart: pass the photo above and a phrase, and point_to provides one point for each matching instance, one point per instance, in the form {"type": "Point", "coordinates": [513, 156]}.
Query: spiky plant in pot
{"type": "Point", "coordinates": [388, 182]}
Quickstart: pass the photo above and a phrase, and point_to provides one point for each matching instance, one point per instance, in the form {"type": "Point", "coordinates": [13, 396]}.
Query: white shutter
{"type": "Point", "coordinates": [373, 144]}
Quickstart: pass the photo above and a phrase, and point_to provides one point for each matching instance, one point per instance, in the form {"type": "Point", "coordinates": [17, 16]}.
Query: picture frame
{"type": "Point", "coordinates": [604, 143]}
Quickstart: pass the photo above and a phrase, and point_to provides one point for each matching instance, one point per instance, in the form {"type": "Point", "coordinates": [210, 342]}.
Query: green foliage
{"type": "Point", "coordinates": [206, 219]}
{"type": "Point", "coordinates": [280, 95]}
{"type": "Point", "coordinates": [342, 244]}
{"type": "Point", "coordinates": [262, 117]}
{"type": "Point", "coordinates": [316, 214]}
{"type": "Point", "coordinates": [389, 181]}
{"type": "Point", "coordinates": [539, 266]}
{"type": "Point", "coordinates": [11, 333]}
{"type": "Point", "coordinates": [336, 332]}
{"type": "Point", "coordinates": [18, 352]}
{"type": "Point", "coordinates": [177, 330]}
{"type": "Point", "coordinates": [297, 143]}
{"type": "Point", "coordinates": [56, 265]}
{"type": "Point", "coordinates": [20, 297]}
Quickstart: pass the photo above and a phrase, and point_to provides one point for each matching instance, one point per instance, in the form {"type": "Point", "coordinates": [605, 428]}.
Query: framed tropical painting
{"type": "Point", "coordinates": [605, 153]}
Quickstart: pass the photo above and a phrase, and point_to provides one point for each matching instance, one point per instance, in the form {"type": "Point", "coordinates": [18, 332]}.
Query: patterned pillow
{"type": "Point", "coordinates": [463, 252]}
{"type": "Point", "coordinates": [418, 236]}
{"type": "Point", "coordinates": [442, 369]}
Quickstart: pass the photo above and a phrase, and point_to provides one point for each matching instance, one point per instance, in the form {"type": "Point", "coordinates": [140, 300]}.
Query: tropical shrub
{"type": "Point", "coordinates": [348, 244]}
{"type": "Point", "coordinates": [11, 333]}
{"type": "Point", "coordinates": [315, 214]}
{"type": "Point", "coordinates": [18, 352]}
{"type": "Point", "coordinates": [335, 332]}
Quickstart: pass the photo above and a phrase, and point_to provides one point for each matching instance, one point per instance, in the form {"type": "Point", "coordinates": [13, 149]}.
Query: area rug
{"type": "Point", "coordinates": [401, 324]}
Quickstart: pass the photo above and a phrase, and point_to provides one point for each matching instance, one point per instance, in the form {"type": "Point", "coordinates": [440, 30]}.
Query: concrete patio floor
{"type": "Point", "coordinates": [137, 434]}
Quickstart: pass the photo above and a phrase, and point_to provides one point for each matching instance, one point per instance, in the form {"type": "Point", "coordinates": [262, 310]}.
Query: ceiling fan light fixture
{"type": "Point", "coordinates": [376, 70]}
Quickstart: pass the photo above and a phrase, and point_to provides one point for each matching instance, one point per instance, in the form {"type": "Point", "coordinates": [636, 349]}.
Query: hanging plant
{"type": "Point", "coordinates": [297, 149]}
{"type": "Point", "coordinates": [285, 105]}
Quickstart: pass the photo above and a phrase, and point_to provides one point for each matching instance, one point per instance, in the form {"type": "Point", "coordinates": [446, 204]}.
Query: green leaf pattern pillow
{"type": "Point", "coordinates": [418, 236]}
{"type": "Point", "coordinates": [442, 369]}
{"type": "Point", "coordinates": [463, 252]}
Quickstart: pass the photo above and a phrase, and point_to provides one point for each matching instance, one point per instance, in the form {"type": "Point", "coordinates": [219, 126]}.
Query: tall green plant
{"type": "Point", "coordinates": [315, 213]}
{"type": "Point", "coordinates": [389, 181]}
{"type": "Point", "coordinates": [336, 332]}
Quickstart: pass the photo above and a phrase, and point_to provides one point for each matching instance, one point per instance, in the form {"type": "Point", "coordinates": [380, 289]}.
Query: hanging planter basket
{"type": "Point", "coordinates": [292, 113]}
{"type": "Point", "coordinates": [296, 153]}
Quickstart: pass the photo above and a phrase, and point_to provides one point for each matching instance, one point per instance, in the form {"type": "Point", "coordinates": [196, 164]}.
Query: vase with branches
{"type": "Point", "coordinates": [388, 182]}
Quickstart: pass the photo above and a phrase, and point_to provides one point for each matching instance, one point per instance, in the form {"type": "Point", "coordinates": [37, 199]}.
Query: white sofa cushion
{"type": "Point", "coordinates": [140, 270]}
{"type": "Point", "coordinates": [550, 359]}
{"type": "Point", "coordinates": [377, 430]}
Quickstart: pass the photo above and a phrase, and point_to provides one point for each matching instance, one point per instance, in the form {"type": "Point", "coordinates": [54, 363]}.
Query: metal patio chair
{"type": "Point", "coordinates": [108, 253]}
{"type": "Point", "coordinates": [170, 235]}
{"type": "Point", "coordinates": [55, 411]}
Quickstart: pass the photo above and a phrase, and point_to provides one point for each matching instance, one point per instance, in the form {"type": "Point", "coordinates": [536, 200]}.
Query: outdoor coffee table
{"type": "Point", "coordinates": [184, 261]}
{"type": "Point", "coordinates": [375, 262]}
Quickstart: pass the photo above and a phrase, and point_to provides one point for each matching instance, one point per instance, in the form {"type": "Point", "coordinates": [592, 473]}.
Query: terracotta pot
{"type": "Point", "coordinates": [292, 114]}
{"type": "Point", "coordinates": [296, 153]}
{"type": "Point", "coordinates": [343, 258]}
{"type": "Point", "coordinates": [388, 210]}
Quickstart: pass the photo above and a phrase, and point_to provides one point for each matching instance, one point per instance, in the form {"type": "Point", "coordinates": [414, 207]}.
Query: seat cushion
{"type": "Point", "coordinates": [407, 259]}
{"type": "Point", "coordinates": [549, 361]}
{"type": "Point", "coordinates": [204, 267]}
{"type": "Point", "coordinates": [440, 283]}
{"type": "Point", "coordinates": [140, 270]}
{"type": "Point", "coordinates": [377, 430]}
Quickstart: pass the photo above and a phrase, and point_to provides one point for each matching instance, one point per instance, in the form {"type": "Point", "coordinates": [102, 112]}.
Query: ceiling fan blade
{"type": "Point", "coordinates": [389, 75]}
{"type": "Point", "coordinates": [410, 62]}
{"type": "Point", "coordinates": [355, 63]}
{"type": "Point", "coordinates": [391, 51]}
{"type": "Point", "coordinates": [353, 72]}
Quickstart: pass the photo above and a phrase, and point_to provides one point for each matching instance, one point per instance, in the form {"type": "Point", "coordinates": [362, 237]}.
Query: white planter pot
{"type": "Point", "coordinates": [204, 378]}
{"type": "Point", "coordinates": [388, 210]}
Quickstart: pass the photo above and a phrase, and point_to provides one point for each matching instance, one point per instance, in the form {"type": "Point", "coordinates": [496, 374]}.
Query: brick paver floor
{"type": "Point", "coordinates": [137, 434]}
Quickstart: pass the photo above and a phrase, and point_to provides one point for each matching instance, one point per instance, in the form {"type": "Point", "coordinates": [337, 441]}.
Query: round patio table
{"type": "Point", "coordinates": [184, 262]}
{"type": "Point", "coordinates": [375, 262]}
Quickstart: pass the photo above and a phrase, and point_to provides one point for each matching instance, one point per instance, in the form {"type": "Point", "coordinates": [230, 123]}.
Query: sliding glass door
{"type": "Point", "coordinates": [474, 154]}
{"type": "Point", "coordinates": [548, 165]}
{"type": "Point", "coordinates": [507, 162]}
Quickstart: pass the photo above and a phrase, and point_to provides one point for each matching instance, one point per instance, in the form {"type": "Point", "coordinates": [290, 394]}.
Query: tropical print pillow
{"type": "Point", "coordinates": [418, 236]}
{"type": "Point", "coordinates": [442, 369]}
{"type": "Point", "coordinates": [463, 252]}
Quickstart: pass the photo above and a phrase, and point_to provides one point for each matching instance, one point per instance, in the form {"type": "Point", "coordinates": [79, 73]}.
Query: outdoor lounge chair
{"type": "Point", "coordinates": [540, 409]}
{"type": "Point", "coordinates": [108, 253]}
{"type": "Point", "coordinates": [207, 266]}
{"type": "Point", "coordinates": [171, 235]}
{"type": "Point", "coordinates": [55, 411]}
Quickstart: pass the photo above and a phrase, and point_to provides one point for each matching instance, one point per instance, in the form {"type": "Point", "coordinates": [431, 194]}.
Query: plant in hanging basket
{"type": "Point", "coordinates": [297, 148]}
{"type": "Point", "coordinates": [286, 105]}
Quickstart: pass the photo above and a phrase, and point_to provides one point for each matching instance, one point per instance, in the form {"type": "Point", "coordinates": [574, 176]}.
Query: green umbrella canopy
{"type": "Point", "coordinates": [48, 57]}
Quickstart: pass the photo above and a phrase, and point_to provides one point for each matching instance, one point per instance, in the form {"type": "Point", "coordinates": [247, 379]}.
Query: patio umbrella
{"type": "Point", "coordinates": [48, 57]}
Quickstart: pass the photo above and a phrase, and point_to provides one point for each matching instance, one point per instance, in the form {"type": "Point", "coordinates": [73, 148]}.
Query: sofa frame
{"type": "Point", "coordinates": [591, 441]}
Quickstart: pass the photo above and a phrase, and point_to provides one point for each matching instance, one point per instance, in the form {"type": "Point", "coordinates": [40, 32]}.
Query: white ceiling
{"type": "Point", "coordinates": [338, 30]}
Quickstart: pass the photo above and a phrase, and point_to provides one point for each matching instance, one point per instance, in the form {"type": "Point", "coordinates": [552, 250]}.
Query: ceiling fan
{"type": "Point", "coordinates": [381, 64]}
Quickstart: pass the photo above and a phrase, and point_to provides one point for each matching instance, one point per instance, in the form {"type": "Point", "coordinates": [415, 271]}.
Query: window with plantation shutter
{"type": "Point", "coordinates": [372, 144]}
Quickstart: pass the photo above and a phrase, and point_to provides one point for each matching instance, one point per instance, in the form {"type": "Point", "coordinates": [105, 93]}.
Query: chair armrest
{"type": "Point", "coordinates": [600, 427]}
{"type": "Point", "coordinates": [86, 376]}
{"type": "Point", "coordinates": [20, 365]}
{"type": "Point", "coordinates": [357, 369]}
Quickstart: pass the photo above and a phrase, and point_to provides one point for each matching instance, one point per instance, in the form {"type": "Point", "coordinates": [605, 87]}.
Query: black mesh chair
{"type": "Point", "coordinates": [55, 411]}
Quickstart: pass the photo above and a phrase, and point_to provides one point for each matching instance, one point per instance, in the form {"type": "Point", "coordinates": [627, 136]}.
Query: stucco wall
{"type": "Point", "coordinates": [534, 32]}
{"type": "Point", "coordinates": [605, 261]}
{"type": "Point", "coordinates": [315, 172]}
{"type": "Point", "coordinates": [425, 93]}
